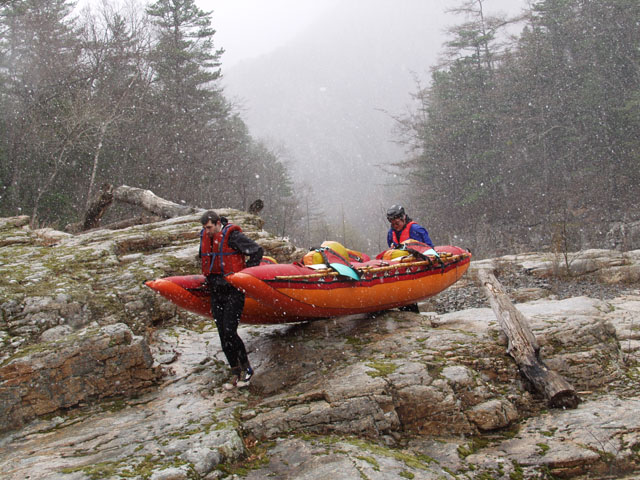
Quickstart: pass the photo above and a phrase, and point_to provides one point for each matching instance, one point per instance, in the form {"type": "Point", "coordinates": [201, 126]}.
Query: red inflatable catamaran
{"type": "Point", "coordinates": [334, 286]}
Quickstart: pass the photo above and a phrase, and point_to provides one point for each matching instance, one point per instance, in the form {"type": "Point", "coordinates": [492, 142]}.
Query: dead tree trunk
{"type": "Point", "coordinates": [523, 346]}
{"type": "Point", "coordinates": [97, 207]}
{"type": "Point", "coordinates": [150, 202]}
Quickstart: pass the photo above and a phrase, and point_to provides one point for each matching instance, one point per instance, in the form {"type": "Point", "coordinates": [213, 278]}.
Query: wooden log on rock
{"type": "Point", "coordinates": [151, 202]}
{"type": "Point", "coordinates": [523, 346]}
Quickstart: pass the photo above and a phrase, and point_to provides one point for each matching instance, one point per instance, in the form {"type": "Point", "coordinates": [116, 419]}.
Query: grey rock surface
{"type": "Point", "coordinates": [392, 395]}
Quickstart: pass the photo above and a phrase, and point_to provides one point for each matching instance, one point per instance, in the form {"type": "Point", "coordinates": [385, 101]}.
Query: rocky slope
{"type": "Point", "coordinates": [100, 378]}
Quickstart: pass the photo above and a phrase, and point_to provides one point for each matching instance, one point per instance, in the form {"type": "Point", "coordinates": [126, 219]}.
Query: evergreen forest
{"type": "Point", "coordinates": [531, 141]}
{"type": "Point", "coordinates": [128, 95]}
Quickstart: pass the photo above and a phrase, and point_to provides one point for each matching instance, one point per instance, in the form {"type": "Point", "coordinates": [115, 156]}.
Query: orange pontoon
{"type": "Point", "coordinates": [300, 291]}
{"type": "Point", "coordinates": [284, 293]}
{"type": "Point", "coordinates": [191, 293]}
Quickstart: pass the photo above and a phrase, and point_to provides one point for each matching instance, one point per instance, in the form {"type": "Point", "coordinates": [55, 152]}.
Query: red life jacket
{"type": "Point", "coordinates": [217, 257]}
{"type": "Point", "coordinates": [404, 233]}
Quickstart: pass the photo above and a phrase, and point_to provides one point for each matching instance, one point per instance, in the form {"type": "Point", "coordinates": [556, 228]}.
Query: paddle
{"type": "Point", "coordinates": [343, 268]}
{"type": "Point", "coordinates": [423, 251]}
{"type": "Point", "coordinates": [431, 251]}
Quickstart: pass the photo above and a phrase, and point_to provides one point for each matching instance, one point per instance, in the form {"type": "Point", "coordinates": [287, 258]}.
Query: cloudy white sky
{"type": "Point", "coordinates": [249, 28]}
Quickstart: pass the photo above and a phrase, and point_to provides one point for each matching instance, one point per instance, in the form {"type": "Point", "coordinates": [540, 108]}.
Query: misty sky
{"type": "Point", "coordinates": [249, 28]}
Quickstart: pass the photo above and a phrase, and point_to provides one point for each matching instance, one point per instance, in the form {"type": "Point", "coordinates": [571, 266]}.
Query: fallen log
{"type": "Point", "coordinates": [151, 202]}
{"type": "Point", "coordinates": [146, 199]}
{"type": "Point", "coordinates": [523, 346]}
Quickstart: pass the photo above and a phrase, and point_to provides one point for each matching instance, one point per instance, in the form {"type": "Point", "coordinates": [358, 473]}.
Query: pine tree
{"type": "Point", "coordinates": [190, 109]}
{"type": "Point", "coordinates": [39, 53]}
{"type": "Point", "coordinates": [458, 130]}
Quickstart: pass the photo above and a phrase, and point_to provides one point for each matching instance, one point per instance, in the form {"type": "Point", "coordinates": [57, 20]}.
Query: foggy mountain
{"type": "Point", "coordinates": [328, 98]}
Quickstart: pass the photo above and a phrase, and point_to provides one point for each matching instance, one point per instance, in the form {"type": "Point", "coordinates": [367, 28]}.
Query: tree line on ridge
{"type": "Point", "coordinates": [532, 142]}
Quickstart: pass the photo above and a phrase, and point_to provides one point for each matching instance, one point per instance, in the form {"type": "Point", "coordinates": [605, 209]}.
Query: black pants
{"type": "Point", "coordinates": [226, 306]}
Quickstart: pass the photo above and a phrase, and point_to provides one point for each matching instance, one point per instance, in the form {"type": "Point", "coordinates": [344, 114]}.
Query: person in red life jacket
{"type": "Point", "coordinates": [403, 228]}
{"type": "Point", "coordinates": [223, 247]}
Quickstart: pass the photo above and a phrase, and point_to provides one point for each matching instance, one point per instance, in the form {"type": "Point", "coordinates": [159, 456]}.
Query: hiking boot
{"type": "Point", "coordinates": [236, 375]}
{"type": "Point", "coordinates": [232, 383]}
{"type": "Point", "coordinates": [245, 378]}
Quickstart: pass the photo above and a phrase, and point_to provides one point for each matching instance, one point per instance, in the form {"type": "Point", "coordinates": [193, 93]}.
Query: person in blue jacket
{"type": "Point", "coordinates": [403, 228]}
